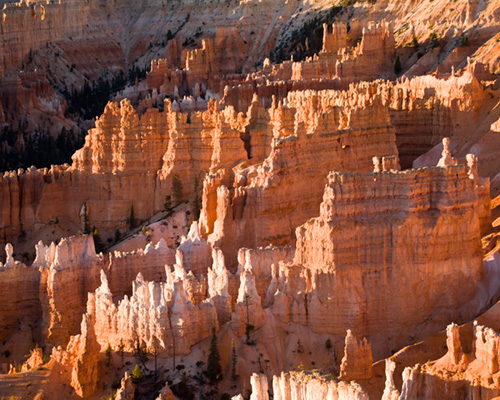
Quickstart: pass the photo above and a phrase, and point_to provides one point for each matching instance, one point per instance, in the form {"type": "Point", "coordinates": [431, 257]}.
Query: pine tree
{"type": "Point", "coordinates": [214, 369]}
{"type": "Point", "coordinates": [234, 376]}
{"type": "Point", "coordinates": [99, 246]}
{"type": "Point", "coordinates": [121, 347]}
{"type": "Point", "coordinates": [86, 226]}
{"type": "Point", "coordinates": [131, 218]}
{"type": "Point", "coordinates": [397, 66]}
{"type": "Point", "coordinates": [197, 200]}
{"type": "Point", "coordinates": [108, 353]}
{"type": "Point", "coordinates": [137, 373]}
{"type": "Point", "coordinates": [177, 188]}
{"type": "Point", "coordinates": [168, 205]}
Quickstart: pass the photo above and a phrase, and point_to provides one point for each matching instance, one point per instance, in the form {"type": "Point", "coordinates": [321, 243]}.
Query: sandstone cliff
{"type": "Point", "coordinates": [355, 241]}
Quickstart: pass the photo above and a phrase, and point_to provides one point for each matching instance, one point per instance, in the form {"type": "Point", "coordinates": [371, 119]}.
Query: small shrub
{"type": "Point", "coordinates": [397, 66]}
{"type": "Point", "coordinates": [137, 373]}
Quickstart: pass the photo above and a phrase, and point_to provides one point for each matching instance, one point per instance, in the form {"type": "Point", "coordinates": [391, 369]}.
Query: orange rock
{"type": "Point", "coordinates": [357, 361]}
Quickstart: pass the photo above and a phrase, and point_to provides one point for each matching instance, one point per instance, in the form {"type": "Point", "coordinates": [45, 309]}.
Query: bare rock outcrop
{"type": "Point", "coordinates": [356, 237]}
{"type": "Point", "coordinates": [268, 189]}
{"type": "Point", "coordinates": [82, 358]}
{"type": "Point", "coordinates": [304, 386]}
{"type": "Point", "coordinates": [471, 375]}
{"type": "Point", "coordinates": [259, 387]}
{"type": "Point", "coordinates": [157, 315]}
{"type": "Point", "coordinates": [357, 361]}
{"type": "Point", "coordinates": [34, 360]}
{"type": "Point", "coordinates": [127, 389]}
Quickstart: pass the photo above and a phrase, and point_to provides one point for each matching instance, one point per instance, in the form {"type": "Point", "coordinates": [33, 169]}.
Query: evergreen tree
{"type": "Point", "coordinates": [121, 347]}
{"type": "Point", "coordinates": [108, 353]}
{"type": "Point", "coordinates": [168, 205]}
{"type": "Point", "coordinates": [397, 66]}
{"type": "Point", "coordinates": [99, 246]}
{"type": "Point", "coordinates": [86, 226]}
{"type": "Point", "coordinates": [234, 376]}
{"type": "Point", "coordinates": [137, 373]}
{"type": "Point", "coordinates": [197, 200]}
{"type": "Point", "coordinates": [214, 369]}
{"type": "Point", "coordinates": [177, 188]}
{"type": "Point", "coordinates": [131, 218]}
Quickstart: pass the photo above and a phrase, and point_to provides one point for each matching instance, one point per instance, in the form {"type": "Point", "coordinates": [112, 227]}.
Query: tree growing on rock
{"type": "Point", "coordinates": [177, 188]}
{"type": "Point", "coordinates": [109, 350]}
{"type": "Point", "coordinates": [131, 217]}
{"type": "Point", "coordinates": [197, 199]}
{"type": "Point", "coordinates": [214, 369]}
{"type": "Point", "coordinates": [234, 358]}
{"type": "Point", "coordinates": [137, 373]}
{"type": "Point", "coordinates": [86, 226]}
{"type": "Point", "coordinates": [168, 205]}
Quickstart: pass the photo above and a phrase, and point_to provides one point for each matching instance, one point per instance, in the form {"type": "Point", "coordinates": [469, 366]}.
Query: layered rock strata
{"type": "Point", "coordinates": [356, 239]}
{"type": "Point", "coordinates": [467, 370]}
{"type": "Point", "coordinates": [156, 316]}
{"type": "Point", "coordinates": [250, 213]}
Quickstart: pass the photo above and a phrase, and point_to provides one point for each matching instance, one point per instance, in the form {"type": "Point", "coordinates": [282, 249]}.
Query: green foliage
{"type": "Point", "coordinates": [137, 373]}
{"type": "Point", "coordinates": [307, 40]}
{"type": "Point", "coordinates": [433, 37]}
{"type": "Point", "coordinates": [40, 149]}
{"type": "Point", "coordinates": [414, 42]}
{"type": "Point", "coordinates": [121, 347]}
{"type": "Point", "coordinates": [214, 369]}
{"type": "Point", "coordinates": [197, 199]}
{"type": "Point", "coordinates": [90, 100]}
{"type": "Point", "coordinates": [182, 390]}
{"type": "Point", "coordinates": [168, 205]}
{"type": "Point", "coordinates": [86, 226]}
{"type": "Point", "coordinates": [99, 245]}
{"type": "Point", "coordinates": [109, 351]}
{"type": "Point", "coordinates": [397, 66]}
{"type": "Point", "coordinates": [300, 349]}
{"type": "Point", "coordinates": [234, 375]}
{"type": "Point", "coordinates": [177, 188]}
{"type": "Point", "coordinates": [248, 326]}
{"type": "Point", "coordinates": [131, 218]}
{"type": "Point", "coordinates": [143, 229]}
{"type": "Point", "coordinates": [301, 367]}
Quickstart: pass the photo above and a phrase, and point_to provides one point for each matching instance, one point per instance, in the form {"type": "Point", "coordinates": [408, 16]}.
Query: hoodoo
{"type": "Point", "coordinates": [256, 200]}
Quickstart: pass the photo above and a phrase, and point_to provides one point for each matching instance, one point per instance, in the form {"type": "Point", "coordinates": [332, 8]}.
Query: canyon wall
{"type": "Point", "coordinates": [319, 140]}
{"type": "Point", "coordinates": [363, 235]}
